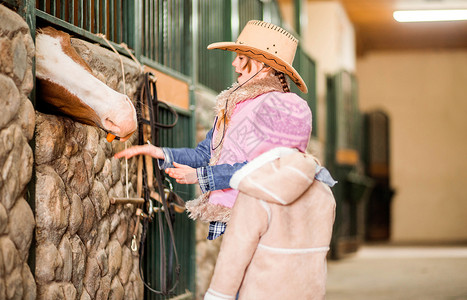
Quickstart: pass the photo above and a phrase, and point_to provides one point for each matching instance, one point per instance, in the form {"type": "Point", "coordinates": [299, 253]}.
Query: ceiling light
{"type": "Point", "coordinates": [430, 15]}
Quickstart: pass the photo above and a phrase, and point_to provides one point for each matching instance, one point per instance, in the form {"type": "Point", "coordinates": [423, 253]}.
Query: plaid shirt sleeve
{"type": "Point", "coordinates": [216, 229]}
{"type": "Point", "coordinates": [202, 174]}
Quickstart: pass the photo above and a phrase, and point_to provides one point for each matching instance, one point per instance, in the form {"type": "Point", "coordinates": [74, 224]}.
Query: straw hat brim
{"type": "Point", "coordinates": [266, 57]}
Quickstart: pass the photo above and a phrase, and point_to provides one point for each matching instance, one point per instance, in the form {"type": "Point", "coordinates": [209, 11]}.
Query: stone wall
{"type": "Point", "coordinates": [83, 241]}
{"type": "Point", "coordinates": [16, 157]}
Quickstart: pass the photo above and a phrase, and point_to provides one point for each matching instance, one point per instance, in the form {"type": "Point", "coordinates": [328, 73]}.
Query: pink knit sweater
{"type": "Point", "coordinates": [257, 125]}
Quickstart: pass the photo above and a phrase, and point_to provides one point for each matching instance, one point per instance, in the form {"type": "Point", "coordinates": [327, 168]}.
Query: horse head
{"type": "Point", "coordinates": [67, 84]}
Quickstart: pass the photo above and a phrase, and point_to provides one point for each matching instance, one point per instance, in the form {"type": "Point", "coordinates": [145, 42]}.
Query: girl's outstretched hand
{"type": "Point", "coordinates": [182, 174]}
{"type": "Point", "coordinates": [147, 149]}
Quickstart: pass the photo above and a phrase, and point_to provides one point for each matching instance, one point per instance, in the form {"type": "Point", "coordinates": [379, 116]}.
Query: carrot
{"type": "Point", "coordinates": [110, 137]}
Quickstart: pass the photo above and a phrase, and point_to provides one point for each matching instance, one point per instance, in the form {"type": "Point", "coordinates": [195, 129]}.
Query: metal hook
{"type": "Point", "coordinates": [157, 209]}
{"type": "Point", "coordinates": [151, 208]}
{"type": "Point", "coordinates": [134, 245]}
{"type": "Point", "coordinates": [170, 184]}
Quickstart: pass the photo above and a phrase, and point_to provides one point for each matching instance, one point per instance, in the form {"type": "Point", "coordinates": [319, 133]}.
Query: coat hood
{"type": "Point", "coordinates": [280, 176]}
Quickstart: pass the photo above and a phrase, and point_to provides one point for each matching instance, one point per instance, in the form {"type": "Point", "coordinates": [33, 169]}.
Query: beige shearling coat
{"type": "Point", "coordinates": [279, 233]}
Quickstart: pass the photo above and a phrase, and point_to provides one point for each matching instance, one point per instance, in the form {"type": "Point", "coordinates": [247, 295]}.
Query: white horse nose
{"type": "Point", "coordinates": [132, 122]}
{"type": "Point", "coordinates": [121, 121]}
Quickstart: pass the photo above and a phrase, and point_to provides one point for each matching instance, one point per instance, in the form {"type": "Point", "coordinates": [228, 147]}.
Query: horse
{"type": "Point", "coordinates": [67, 84]}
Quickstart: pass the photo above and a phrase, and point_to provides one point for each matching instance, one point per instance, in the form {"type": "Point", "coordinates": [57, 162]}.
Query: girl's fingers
{"type": "Point", "coordinates": [172, 173]}
{"type": "Point", "coordinates": [177, 165]}
{"type": "Point", "coordinates": [134, 150]}
{"type": "Point", "coordinates": [128, 153]}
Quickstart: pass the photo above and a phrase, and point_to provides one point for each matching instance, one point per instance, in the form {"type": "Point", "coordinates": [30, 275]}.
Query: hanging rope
{"type": "Point", "coordinates": [124, 46]}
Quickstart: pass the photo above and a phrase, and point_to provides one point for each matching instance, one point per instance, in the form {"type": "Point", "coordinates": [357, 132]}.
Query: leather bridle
{"type": "Point", "coordinates": [149, 104]}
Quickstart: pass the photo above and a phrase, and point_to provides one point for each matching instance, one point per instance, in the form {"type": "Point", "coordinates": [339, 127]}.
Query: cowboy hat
{"type": "Point", "coordinates": [269, 44]}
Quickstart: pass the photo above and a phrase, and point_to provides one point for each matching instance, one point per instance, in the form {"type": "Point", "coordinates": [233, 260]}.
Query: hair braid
{"type": "Point", "coordinates": [283, 80]}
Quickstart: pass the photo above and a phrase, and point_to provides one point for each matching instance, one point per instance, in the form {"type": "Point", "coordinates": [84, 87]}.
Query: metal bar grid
{"type": "Point", "coordinates": [109, 17]}
{"type": "Point", "coordinates": [166, 33]}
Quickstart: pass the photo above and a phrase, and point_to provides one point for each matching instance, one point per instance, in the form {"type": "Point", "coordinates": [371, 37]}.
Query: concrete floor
{"type": "Point", "coordinates": [383, 272]}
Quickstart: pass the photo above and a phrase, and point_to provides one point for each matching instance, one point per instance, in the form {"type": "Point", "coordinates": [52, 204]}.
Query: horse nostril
{"type": "Point", "coordinates": [110, 125]}
{"type": "Point", "coordinates": [110, 121]}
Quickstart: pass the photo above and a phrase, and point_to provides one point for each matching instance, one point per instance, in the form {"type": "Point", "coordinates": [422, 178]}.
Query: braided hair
{"type": "Point", "coordinates": [283, 80]}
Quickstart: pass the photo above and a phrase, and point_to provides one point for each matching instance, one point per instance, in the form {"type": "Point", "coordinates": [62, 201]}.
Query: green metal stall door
{"type": "Point", "coordinates": [344, 135]}
{"type": "Point", "coordinates": [214, 70]}
{"type": "Point", "coordinates": [184, 228]}
{"type": "Point", "coordinates": [306, 67]}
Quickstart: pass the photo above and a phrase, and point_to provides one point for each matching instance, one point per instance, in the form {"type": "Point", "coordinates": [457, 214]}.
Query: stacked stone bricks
{"type": "Point", "coordinates": [16, 157]}
{"type": "Point", "coordinates": [83, 241]}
